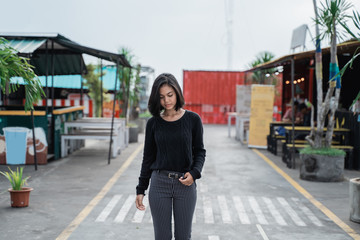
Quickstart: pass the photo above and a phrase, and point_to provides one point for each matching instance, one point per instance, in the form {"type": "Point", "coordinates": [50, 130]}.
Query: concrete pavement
{"type": "Point", "coordinates": [243, 194]}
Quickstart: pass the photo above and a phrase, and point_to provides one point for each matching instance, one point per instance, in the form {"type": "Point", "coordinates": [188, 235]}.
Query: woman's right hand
{"type": "Point", "coordinates": [139, 202]}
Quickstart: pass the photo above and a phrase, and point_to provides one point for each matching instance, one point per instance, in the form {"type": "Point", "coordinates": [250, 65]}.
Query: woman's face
{"type": "Point", "coordinates": [167, 97]}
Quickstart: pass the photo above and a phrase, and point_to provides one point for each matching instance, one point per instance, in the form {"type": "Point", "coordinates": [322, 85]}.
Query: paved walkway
{"type": "Point", "coordinates": [244, 194]}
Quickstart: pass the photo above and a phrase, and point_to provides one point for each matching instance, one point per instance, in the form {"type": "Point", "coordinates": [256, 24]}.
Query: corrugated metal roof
{"type": "Point", "coordinates": [341, 48]}
{"type": "Point", "coordinates": [26, 46]}
{"type": "Point", "coordinates": [61, 45]}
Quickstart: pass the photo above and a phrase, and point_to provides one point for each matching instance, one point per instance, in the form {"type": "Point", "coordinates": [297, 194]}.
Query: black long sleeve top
{"type": "Point", "coordinates": [173, 146]}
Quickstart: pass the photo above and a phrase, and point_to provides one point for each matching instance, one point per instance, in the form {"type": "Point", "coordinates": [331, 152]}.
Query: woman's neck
{"type": "Point", "coordinates": [171, 113]}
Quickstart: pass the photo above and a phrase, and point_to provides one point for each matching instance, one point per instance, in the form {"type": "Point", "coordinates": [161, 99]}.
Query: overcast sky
{"type": "Point", "coordinates": [168, 35]}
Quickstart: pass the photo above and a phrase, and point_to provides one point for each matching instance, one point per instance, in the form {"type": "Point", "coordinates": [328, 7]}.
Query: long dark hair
{"type": "Point", "coordinates": [154, 105]}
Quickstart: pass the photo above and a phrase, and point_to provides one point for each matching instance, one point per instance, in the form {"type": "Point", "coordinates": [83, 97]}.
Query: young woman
{"type": "Point", "coordinates": [173, 158]}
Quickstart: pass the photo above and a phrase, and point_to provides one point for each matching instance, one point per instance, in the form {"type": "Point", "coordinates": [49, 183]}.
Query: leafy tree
{"type": "Point", "coordinates": [93, 82]}
{"type": "Point", "coordinates": [129, 79]}
{"type": "Point", "coordinates": [356, 22]}
{"type": "Point", "coordinates": [135, 95]}
{"type": "Point", "coordinates": [13, 65]}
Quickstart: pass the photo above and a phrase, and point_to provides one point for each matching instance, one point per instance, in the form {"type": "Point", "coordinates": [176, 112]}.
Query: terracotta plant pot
{"type": "Point", "coordinates": [20, 198]}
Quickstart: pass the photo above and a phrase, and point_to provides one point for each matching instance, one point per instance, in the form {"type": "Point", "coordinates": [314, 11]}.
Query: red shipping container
{"type": "Point", "coordinates": [212, 94]}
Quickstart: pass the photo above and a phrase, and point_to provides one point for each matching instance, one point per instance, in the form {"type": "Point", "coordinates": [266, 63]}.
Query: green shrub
{"type": "Point", "coordinates": [145, 115]}
{"type": "Point", "coordinates": [132, 125]}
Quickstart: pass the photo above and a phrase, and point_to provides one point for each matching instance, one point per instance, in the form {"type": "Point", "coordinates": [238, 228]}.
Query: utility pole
{"type": "Point", "coordinates": [229, 6]}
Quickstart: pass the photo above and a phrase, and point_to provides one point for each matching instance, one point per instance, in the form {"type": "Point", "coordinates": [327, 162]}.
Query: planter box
{"type": "Point", "coordinates": [322, 168]}
{"type": "Point", "coordinates": [354, 188]}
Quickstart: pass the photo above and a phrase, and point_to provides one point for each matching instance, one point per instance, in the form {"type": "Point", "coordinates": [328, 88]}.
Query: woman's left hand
{"type": "Point", "coordinates": [187, 180]}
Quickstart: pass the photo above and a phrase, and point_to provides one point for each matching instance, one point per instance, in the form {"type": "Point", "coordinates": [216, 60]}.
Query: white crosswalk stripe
{"type": "Point", "coordinates": [109, 207]}
{"type": "Point", "coordinates": [208, 211]}
{"type": "Point", "coordinates": [224, 209]}
{"type": "Point", "coordinates": [241, 210]}
{"type": "Point", "coordinates": [220, 209]}
{"type": "Point", "coordinates": [274, 212]}
{"type": "Point", "coordinates": [308, 212]}
{"type": "Point", "coordinates": [125, 209]}
{"type": "Point", "coordinates": [257, 210]}
{"type": "Point", "coordinates": [214, 237]}
{"type": "Point", "coordinates": [139, 215]}
{"type": "Point", "coordinates": [291, 212]}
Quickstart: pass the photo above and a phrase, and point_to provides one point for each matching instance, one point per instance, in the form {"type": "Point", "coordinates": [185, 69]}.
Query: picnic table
{"type": "Point", "coordinates": [75, 132]}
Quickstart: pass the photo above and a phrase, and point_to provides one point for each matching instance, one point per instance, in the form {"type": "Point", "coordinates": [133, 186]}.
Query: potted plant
{"type": "Point", "coordinates": [19, 195]}
{"type": "Point", "coordinates": [319, 162]}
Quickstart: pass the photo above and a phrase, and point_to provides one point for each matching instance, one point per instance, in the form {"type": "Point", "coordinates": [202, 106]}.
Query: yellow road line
{"type": "Point", "coordinates": [87, 210]}
{"type": "Point", "coordinates": [315, 202]}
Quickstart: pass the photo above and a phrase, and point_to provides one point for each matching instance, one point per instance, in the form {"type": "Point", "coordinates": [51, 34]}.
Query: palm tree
{"type": "Point", "coordinates": [332, 14]}
{"type": "Point", "coordinates": [94, 85]}
{"type": "Point", "coordinates": [356, 21]}
{"type": "Point", "coordinates": [12, 65]}
{"type": "Point", "coordinates": [263, 57]}
{"type": "Point", "coordinates": [125, 79]}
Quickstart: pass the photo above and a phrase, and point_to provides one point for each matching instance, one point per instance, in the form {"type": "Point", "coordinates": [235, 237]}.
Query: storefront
{"type": "Point", "coordinates": [52, 55]}
{"type": "Point", "coordinates": [302, 71]}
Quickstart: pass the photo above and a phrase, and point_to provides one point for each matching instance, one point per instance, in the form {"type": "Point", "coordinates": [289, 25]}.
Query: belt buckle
{"type": "Point", "coordinates": [173, 175]}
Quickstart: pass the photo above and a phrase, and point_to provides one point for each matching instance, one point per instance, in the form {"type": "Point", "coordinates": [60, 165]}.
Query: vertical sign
{"type": "Point", "coordinates": [262, 102]}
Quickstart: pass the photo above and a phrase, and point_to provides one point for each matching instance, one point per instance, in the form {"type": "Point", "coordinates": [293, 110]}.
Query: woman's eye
{"type": "Point", "coordinates": [170, 95]}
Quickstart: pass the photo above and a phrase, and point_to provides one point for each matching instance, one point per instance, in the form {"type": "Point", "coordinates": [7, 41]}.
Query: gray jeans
{"type": "Point", "coordinates": [167, 195]}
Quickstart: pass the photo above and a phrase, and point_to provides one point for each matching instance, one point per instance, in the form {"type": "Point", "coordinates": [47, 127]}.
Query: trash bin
{"type": "Point", "coordinates": [15, 140]}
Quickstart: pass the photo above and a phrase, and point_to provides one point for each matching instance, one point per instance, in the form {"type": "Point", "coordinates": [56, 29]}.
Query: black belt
{"type": "Point", "coordinates": [169, 174]}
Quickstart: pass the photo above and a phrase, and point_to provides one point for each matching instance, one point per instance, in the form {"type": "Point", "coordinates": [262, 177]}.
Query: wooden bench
{"type": "Point", "coordinates": [273, 137]}
{"type": "Point", "coordinates": [300, 141]}
{"type": "Point", "coordinates": [287, 154]}
{"type": "Point", "coordinates": [274, 144]}
{"type": "Point", "coordinates": [89, 134]}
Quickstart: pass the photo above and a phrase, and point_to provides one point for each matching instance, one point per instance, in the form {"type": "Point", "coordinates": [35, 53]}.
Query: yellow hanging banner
{"type": "Point", "coordinates": [261, 115]}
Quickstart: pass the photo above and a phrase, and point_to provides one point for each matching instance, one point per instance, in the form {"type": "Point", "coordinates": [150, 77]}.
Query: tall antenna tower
{"type": "Point", "coordinates": [229, 6]}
